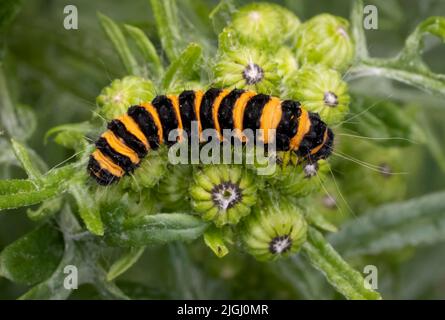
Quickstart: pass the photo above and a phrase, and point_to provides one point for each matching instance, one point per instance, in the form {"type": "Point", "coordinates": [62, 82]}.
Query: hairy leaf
{"type": "Point", "coordinates": [415, 222]}
{"type": "Point", "coordinates": [33, 257]}
{"type": "Point", "coordinates": [337, 271]}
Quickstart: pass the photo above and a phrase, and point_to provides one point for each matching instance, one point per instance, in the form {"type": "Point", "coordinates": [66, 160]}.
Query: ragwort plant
{"type": "Point", "coordinates": [231, 208]}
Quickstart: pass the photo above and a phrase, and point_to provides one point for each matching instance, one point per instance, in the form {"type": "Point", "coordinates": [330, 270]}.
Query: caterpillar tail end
{"type": "Point", "coordinates": [102, 176]}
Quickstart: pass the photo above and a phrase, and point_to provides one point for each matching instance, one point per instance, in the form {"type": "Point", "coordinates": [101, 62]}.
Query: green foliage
{"type": "Point", "coordinates": [127, 240]}
{"type": "Point", "coordinates": [33, 257]}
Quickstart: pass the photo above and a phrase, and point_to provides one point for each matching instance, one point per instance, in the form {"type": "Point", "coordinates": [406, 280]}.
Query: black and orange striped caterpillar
{"type": "Point", "coordinates": [146, 126]}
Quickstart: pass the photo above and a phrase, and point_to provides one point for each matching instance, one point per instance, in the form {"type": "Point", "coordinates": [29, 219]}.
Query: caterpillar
{"type": "Point", "coordinates": [119, 149]}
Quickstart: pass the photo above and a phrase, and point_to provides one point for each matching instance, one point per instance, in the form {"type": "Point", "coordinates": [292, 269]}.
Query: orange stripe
{"type": "Point", "coordinates": [215, 109]}
{"type": "Point", "coordinates": [154, 114]}
{"type": "Point", "coordinates": [107, 164]}
{"type": "Point", "coordinates": [325, 138]}
{"type": "Point", "coordinates": [304, 125]}
{"type": "Point", "coordinates": [175, 102]}
{"type": "Point", "coordinates": [198, 99]}
{"type": "Point", "coordinates": [120, 147]}
{"type": "Point", "coordinates": [133, 128]}
{"type": "Point", "coordinates": [238, 113]}
{"type": "Point", "coordinates": [270, 117]}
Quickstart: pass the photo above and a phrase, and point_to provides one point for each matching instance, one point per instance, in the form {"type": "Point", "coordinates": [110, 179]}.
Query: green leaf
{"type": "Point", "coordinates": [8, 11]}
{"type": "Point", "coordinates": [15, 186]}
{"type": "Point", "coordinates": [17, 121]}
{"type": "Point", "coordinates": [159, 228]}
{"type": "Point", "coordinates": [147, 50]}
{"type": "Point", "coordinates": [71, 135]}
{"type": "Point", "coordinates": [22, 199]}
{"type": "Point", "coordinates": [46, 209]}
{"type": "Point", "coordinates": [125, 262]}
{"type": "Point", "coordinates": [88, 208]}
{"type": "Point", "coordinates": [214, 239]}
{"type": "Point", "coordinates": [33, 257]}
{"type": "Point", "coordinates": [419, 221]}
{"type": "Point", "coordinates": [167, 23]}
{"type": "Point", "coordinates": [338, 272]}
{"type": "Point", "coordinates": [23, 156]}
{"type": "Point", "coordinates": [386, 123]}
{"type": "Point", "coordinates": [221, 15]}
{"type": "Point", "coordinates": [116, 36]}
{"type": "Point", "coordinates": [182, 67]}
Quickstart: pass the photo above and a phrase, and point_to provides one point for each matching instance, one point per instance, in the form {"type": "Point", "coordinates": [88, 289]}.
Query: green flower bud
{"type": "Point", "coordinates": [325, 39]}
{"type": "Point", "coordinates": [303, 179]}
{"type": "Point", "coordinates": [320, 90]}
{"type": "Point", "coordinates": [286, 61]}
{"type": "Point", "coordinates": [223, 194]}
{"type": "Point", "coordinates": [247, 68]}
{"type": "Point", "coordinates": [173, 188]}
{"type": "Point", "coordinates": [150, 171]}
{"type": "Point", "coordinates": [115, 99]}
{"type": "Point", "coordinates": [274, 231]}
{"type": "Point", "coordinates": [264, 24]}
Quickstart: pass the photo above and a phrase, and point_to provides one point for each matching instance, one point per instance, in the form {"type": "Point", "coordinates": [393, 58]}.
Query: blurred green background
{"type": "Point", "coordinates": [58, 73]}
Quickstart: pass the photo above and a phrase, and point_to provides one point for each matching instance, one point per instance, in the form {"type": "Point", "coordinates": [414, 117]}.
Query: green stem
{"type": "Point", "coordinates": [429, 83]}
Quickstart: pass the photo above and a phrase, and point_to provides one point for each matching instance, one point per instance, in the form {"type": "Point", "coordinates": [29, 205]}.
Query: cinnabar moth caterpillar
{"type": "Point", "coordinates": [146, 126]}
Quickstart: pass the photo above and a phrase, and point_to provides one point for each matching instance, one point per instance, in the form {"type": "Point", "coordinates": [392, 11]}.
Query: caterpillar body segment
{"type": "Point", "coordinates": [131, 136]}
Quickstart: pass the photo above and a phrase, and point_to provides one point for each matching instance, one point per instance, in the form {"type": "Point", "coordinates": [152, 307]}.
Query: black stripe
{"type": "Point", "coordinates": [104, 177]}
{"type": "Point", "coordinates": [167, 115]}
{"type": "Point", "coordinates": [254, 110]}
{"type": "Point", "coordinates": [326, 149]}
{"type": "Point", "coordinates": [288, 126]}
{"type": "Point", "coordinates": [118, 128]}
{"type": "Point", "coordinates": [146, 123]}
{"type": "Point", "coordinates": [187, 110]}
{"type": "Point", "coordinates": [206, 108]}
{"type": "Point", "coordinates": [225, 111]}
{"type": "Point", "coordinates": [121, 160]}
{"type": "Point", "coordinates": [314, 137]}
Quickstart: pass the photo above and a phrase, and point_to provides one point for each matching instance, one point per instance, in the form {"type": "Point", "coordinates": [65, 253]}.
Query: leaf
{"type": "Point", "coordinates": [419, 221]}
{"type": "Point", "coordinates": [8, 11]}
{"type": "Point", "coordinates": [386, 123]}
{"type": "Point", "coordinates": [22, 199]}
{"type": "Point", "coordinates": [125, 262]}
{"type": "Point", "coordinates": [70, 135]}
{"type": "Point", "coordinates": [167, 23]}
{"type": "Point", "coordinates": [338, 272]}
{"type": "Point", "coordinates": [20, 193]}
{"type": "Point", "coordinates": [23, 156]}
{"type": "Point", "coordinates": [147, 50]}
{"type": "Point", "coordinates": [14, 117]}
{"type": "Point", "coordinates": [221, 15]}
{"type": "Point", "coordinates": [214, 239]}
{"type": "Point", "coordinates": [46, 209]}
{"type": "Point", "coordinates": [159, 228]}
{"type": "Point", "coordinates": [33, 257]}
{"type": "Point", "coordinates": [116, 36]}
{"type": "Point", "coordinates": [53, 287]}
{"type": "Point", "coordinates": [88, 208]}
{"type": "Point", "coordinates": [182, 67]}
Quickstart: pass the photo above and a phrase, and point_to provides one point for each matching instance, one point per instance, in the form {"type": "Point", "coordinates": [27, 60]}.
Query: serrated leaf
{"type": "Point", "coordinates": [125, 262]}
{"type": "Point", "coordinates": [33, 257]}
{"type": "Point", "coordinates": [159, 228]}
{"type": "Point", "coordinates": [337, 271]}
{"type": "Point", "coordinates": [116, 36]}
{"type": "Point", "coordinates": [419, 221]}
